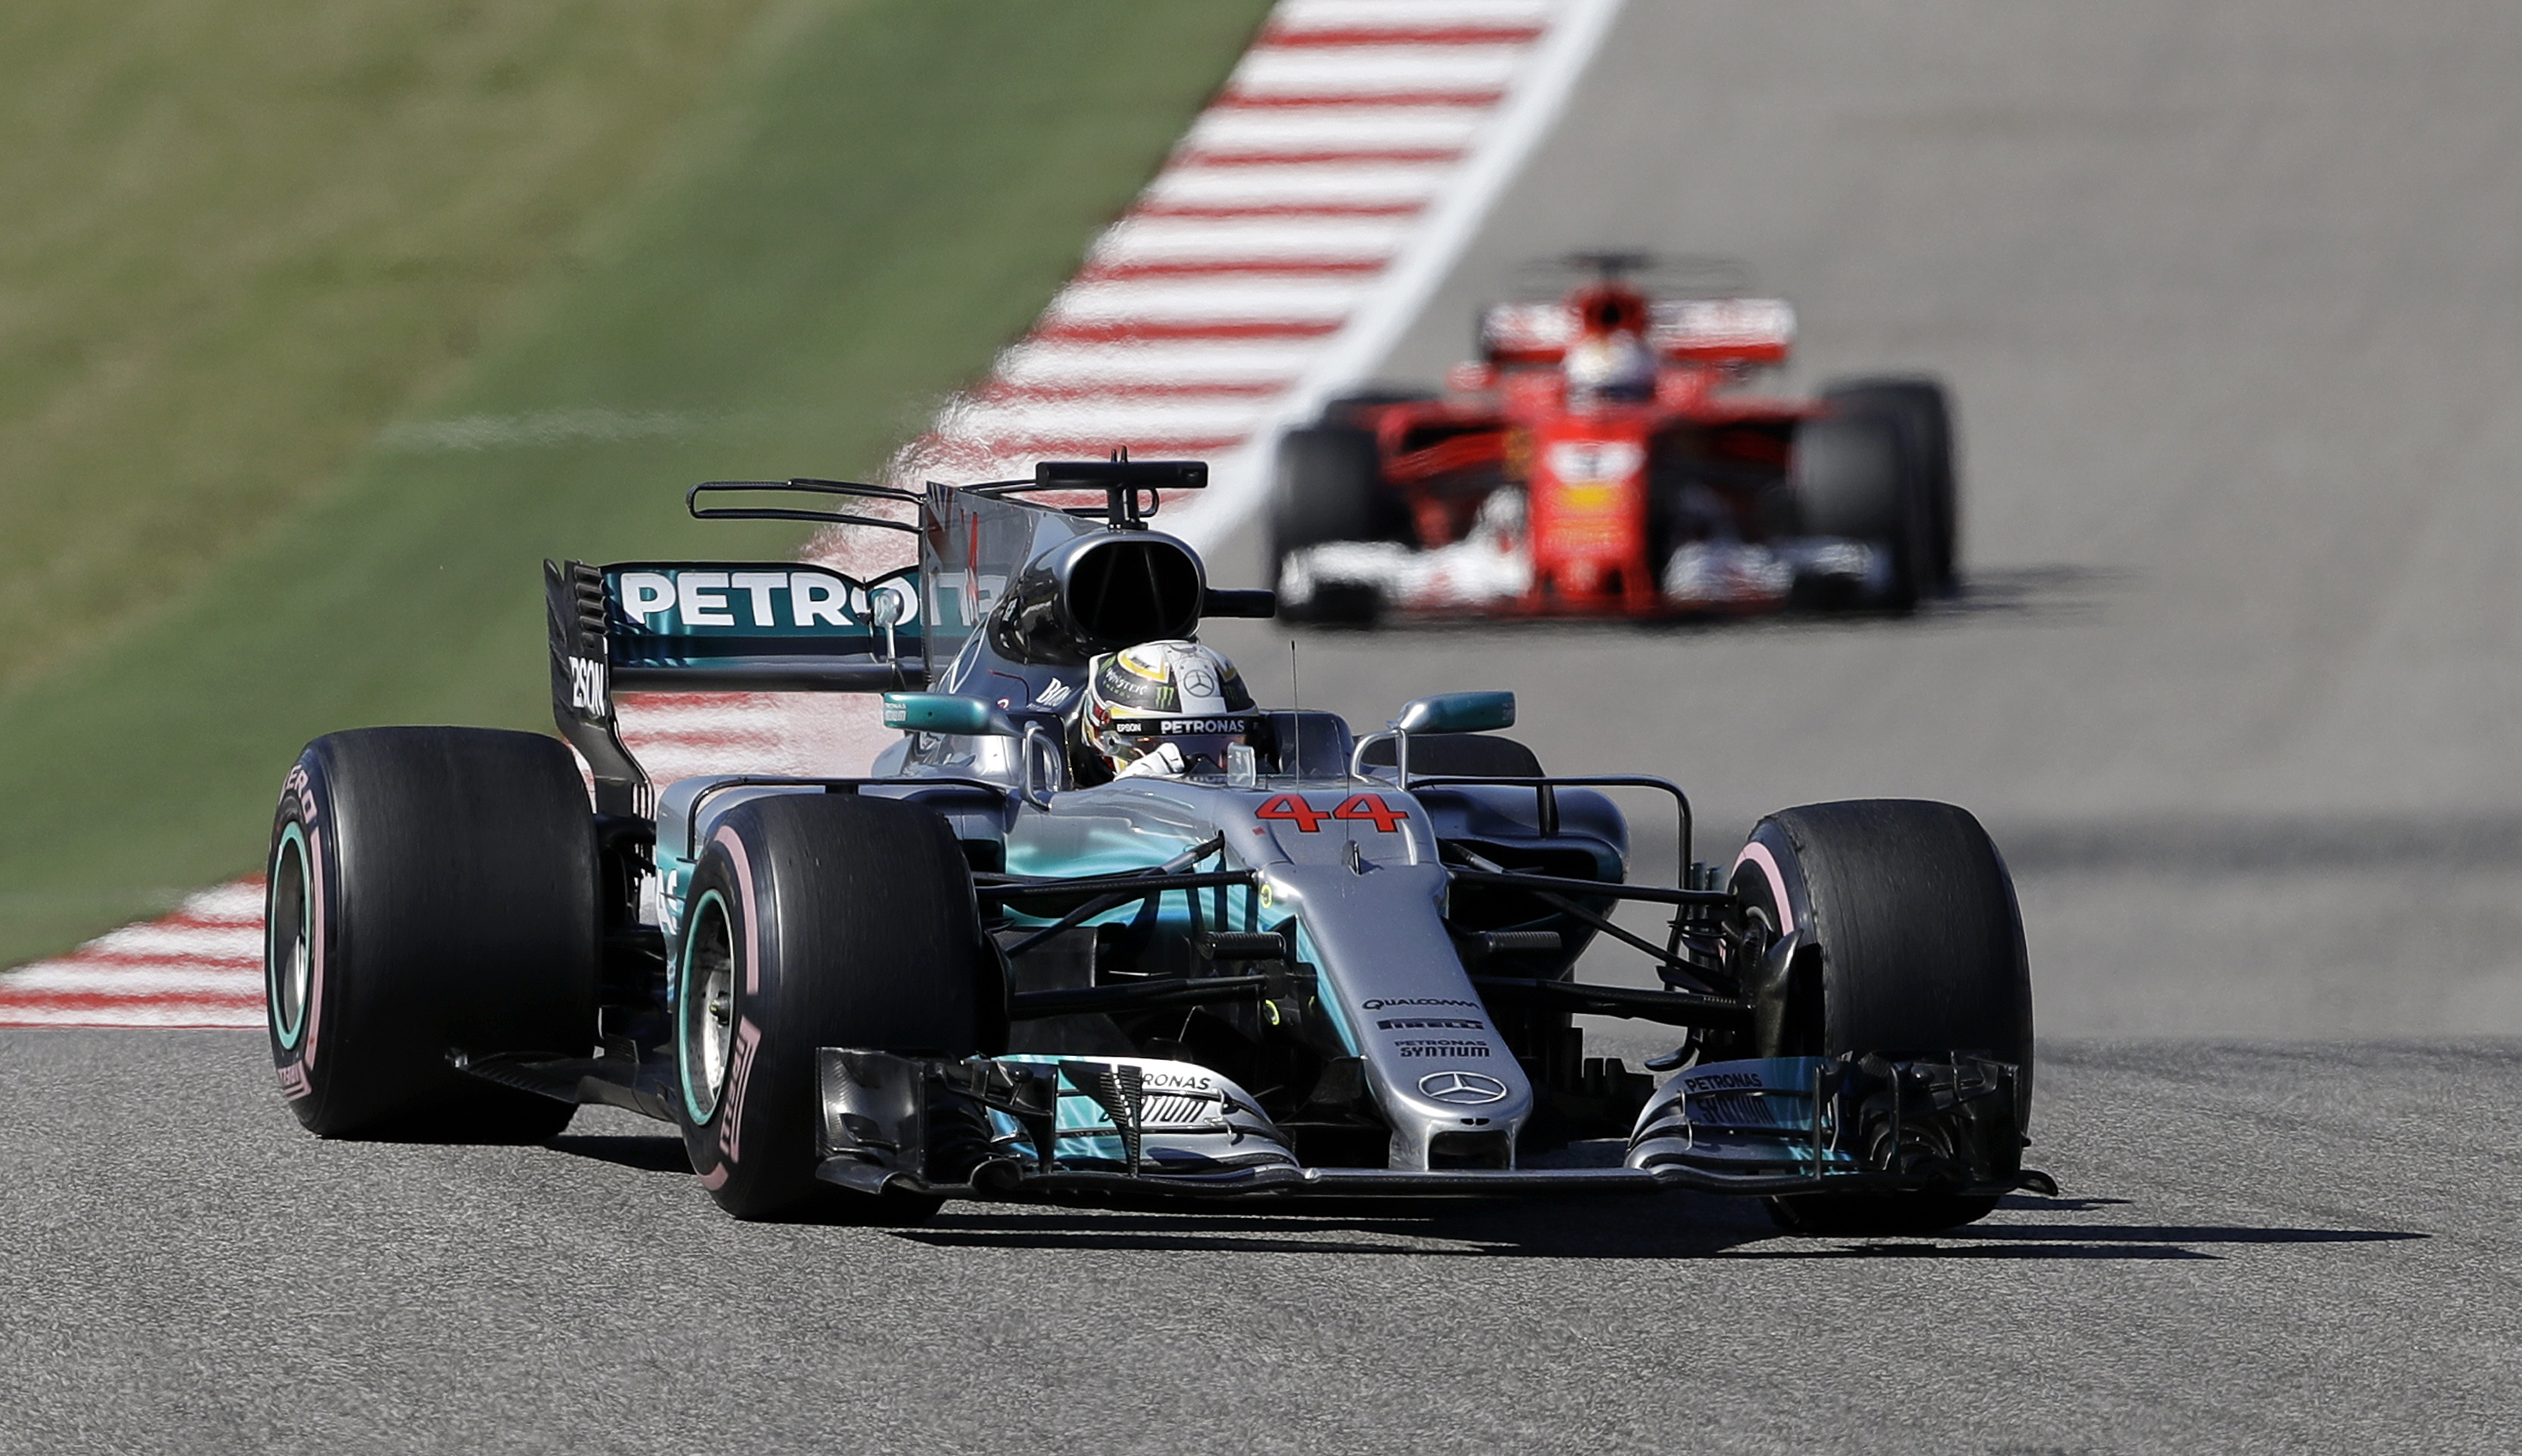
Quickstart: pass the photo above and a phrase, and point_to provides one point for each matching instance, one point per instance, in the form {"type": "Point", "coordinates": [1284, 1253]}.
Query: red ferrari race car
{"type": "Point", "coordinates": [1602, 459]}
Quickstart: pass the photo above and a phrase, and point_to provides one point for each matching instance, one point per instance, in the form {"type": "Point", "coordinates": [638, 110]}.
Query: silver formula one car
{"type": "Point", "coordinates": [1097, 925]}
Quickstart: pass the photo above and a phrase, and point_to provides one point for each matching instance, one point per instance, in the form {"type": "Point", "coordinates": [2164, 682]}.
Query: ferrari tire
{"type": "Point", "coordinates": [1920, 411]}
{"type": "Point", "coordinates": [429, 891]}
{"type": "Point", "coordinates": [814, 920]}
{"type": "Point", "coordinates": [1356, 407]}
{"type": "Point", "coordinates": [1853, 479]}
{"type": "Point", "coordinates": [1921, 954]}
{"type": "Point", "coordinates": [1328, 487]}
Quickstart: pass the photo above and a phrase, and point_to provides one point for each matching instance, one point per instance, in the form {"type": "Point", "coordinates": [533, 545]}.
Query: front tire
{"type": "Point", "coordinates": [814, 920]}
{"type": "Point", "coordinates": [429, 889]}
{"type": "Point", "coordinates": [1921, 954]}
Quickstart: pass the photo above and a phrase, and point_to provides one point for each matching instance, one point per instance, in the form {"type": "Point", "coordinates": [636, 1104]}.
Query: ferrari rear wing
{"type": "Point", "coordinates": [1750, 331]}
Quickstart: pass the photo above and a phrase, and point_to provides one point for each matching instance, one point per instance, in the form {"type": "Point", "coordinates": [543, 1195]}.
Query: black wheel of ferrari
{"type": "Point", "coordinates": [1853, 479]}
{"type": "Point", "coordinates": [430, 889]}
{"type": "Point", "coordinates": [1921, 956]}
{"type": "Point", "coordinates": [814, 920]}
{"type": "Point", "coordinates": [1355, 407]}
{"type": "Point", "coordinates": [1327, 488]}
{"type": "Point", "coordinates": [1919, 409]}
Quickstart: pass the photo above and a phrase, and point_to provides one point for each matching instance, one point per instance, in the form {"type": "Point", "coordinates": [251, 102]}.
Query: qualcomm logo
{"type": "Point", "coordinates": [1462, 1087]}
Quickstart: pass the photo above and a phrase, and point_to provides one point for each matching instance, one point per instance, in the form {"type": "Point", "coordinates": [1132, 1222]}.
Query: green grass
{"type": "Point", "coordinates": [238, 237]}
{"type": "Point", "coordinates": [870, 201]}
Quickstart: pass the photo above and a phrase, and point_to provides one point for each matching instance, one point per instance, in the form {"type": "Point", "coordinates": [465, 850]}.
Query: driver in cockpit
{"type": "Point", "coordinates": [1167, 709]}
{"type": "Point", "coordinates": [1611, 361]}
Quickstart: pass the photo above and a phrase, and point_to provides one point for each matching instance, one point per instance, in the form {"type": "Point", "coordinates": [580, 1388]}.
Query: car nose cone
{"type": "Point", "coordinates": [1462, 1087]}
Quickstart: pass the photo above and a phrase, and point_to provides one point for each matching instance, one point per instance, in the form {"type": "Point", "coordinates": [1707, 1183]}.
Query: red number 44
{"type": "Point", "coordinates": [1309, 821]}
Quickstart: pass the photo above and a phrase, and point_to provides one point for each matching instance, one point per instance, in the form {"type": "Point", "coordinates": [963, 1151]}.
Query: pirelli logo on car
{"type": "Point", "coordinates": [680, 601]}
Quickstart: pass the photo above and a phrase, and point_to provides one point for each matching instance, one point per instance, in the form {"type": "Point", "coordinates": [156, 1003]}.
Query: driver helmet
{"type": "Point", "coordinates": [1610, 360]}
{"type": "Point", "coordinates": [1166, 708]}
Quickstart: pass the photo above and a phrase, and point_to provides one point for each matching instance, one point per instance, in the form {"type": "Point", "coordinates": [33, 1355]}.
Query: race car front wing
{"type": "Point", "coordinates": [1017, 1126]}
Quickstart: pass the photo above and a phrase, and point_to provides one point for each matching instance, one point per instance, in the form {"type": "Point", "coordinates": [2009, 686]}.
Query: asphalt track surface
{"type": "Point", "coordinates": [2273, 1246]}
{"type": "Point", "coordinates": [2228, 295]}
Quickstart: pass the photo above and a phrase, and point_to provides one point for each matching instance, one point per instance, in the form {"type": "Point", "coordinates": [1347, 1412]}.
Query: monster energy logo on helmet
{"type": "Point", "coordinates": [1170, 680]}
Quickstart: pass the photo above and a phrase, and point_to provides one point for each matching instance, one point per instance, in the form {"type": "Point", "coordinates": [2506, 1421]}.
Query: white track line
{"type": "Point", "coordinates": [1193, 298]}
{"type": "Point", "coordinates": [1298, 227]}
{"type": "Point", "coordinates": [1540, 93]}
{"type": "Point", "coordinates": [199, 967]}
{"type": "Point", "coordinates": [1272, 70]}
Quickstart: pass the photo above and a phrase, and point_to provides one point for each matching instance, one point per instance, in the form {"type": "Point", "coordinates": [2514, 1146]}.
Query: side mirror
{"type": "Point", "coordinates": [948, 712]}
{"type": "Point", "coordinates": [1458, 712]}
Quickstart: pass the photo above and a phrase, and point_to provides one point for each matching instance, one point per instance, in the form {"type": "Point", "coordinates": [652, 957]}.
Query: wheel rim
{"type": "Point", "coordinates": [289, 950]}
{"type": "Point", "coordinates": [705, 1006]}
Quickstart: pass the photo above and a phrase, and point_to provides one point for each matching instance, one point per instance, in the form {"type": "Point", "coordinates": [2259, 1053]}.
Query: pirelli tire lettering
{"type": "Point", "coordinates": [294, 930]}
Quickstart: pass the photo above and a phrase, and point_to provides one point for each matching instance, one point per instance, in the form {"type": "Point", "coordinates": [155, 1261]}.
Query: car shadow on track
{"type": "Point", "coordinates": [1677, 1226]}
{"type": "Point", "coordinates": [2050, 593]}
{"type": "Point", "coordinates": [1674, 1226]}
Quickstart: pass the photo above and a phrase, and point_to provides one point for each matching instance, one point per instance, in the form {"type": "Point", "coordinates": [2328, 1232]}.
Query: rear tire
{"type": "Point", "coordinates": [1851, 480]}
{"type": "Point", "coordinates": [1921, 954]}
{"type": "Point", "coordinates": [1919, 409]}
{"type": "Point", "coordinates": [814, 920]}
{"type": "Point", "coordinates": [430, 888]}
{"type": "Point", "coordinates": [1329, 488]}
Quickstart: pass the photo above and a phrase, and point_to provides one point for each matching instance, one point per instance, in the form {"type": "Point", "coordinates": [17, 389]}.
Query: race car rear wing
{"type": "Point", "coordinates": [795, 627]}
{"type": "Point", "coordinates": [715, 626]}
{"type": "Point", "coordinates": [1750, 331]}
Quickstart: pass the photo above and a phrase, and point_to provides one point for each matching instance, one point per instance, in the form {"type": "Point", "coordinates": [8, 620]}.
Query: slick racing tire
{"type": "Point", "coordinates": [430, 889]}
{"type": "Point", "coordinates": [1329, 488]}
{"type": "Point", "coordinates": [1357, 407]}
{"type": "Point", "coordinates": [1919, 411]}
{"type": "Point", "coordinates": [1919, 955]}
{"type": "Point", "coordinates": [814, 920]}
{"type": "Point", "coordinates": [1852, 479]}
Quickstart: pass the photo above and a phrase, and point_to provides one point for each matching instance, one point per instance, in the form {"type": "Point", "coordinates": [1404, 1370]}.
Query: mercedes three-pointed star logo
{"type": "Point", "coordinates": [1462, 1087]}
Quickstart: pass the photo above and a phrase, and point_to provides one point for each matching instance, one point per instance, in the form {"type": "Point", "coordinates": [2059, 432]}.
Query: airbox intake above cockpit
{"type": "Point", "coordinates": [1099, 593]}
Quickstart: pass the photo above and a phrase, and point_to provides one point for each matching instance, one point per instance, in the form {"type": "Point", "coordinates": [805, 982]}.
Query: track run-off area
{"type": "Point", "coordinates": [2230, 301]}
